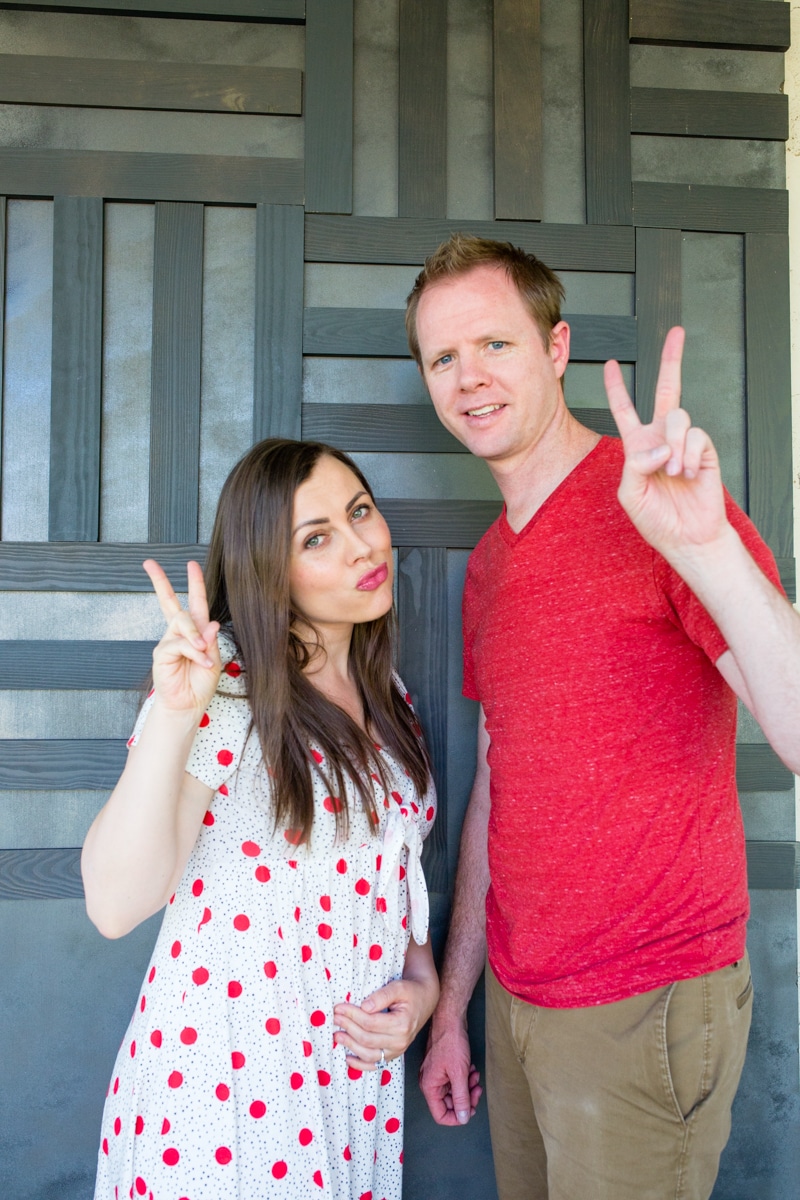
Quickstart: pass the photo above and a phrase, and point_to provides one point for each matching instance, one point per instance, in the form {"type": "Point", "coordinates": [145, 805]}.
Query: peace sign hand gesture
{"type": "Point", "coordinates": [671, 485]}
{"type": "Point", "coordinates": [186, 662]}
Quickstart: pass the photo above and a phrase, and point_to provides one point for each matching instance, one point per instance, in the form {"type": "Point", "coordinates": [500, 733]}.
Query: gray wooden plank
{"type": "Point", "coordinates": [606, 86]}
{"type": "Point", "coordinates": [2, 319]}
{"type": "Point", "coordinates": [788, 570]}
{"type": "Point", "coordinates": [758, 769]}
{"type": "Point", "coordinates": [422, 109]}
{"type": "Point", "coordinates": [422, 614]}
{"type": "Point", "coordinates": [129, 175]}
{"type": "Point", "coordinates": [41, 874]}
{"type": "Point", "coordinates": [124, 83]}
{"type": "Point", "coordinates": [380, 333]}
{"type": "Point", "coordinates": [713, 209]}
{"type": "Point", "coordinates": [403, 428]}
{"type": "Point", "coordinates": [411, 240]}
{"type": "Point", "coordinates": [41, 764]}
{"type": "Point", "coordinates": [278, 375]}
{"type": "Point", "coordinates": [518, 155]}
{"type": "Point", "coordinates": [769, 388]}
{"type": "Point", "coordinates": [737, 23]}
{"type": "Point", "coordinates": [693, 113]}
{"type": "Point", "coordinates": [277, 11]}
{"type": "Point", "coordinates": [773, 865]}
{"type": "Point", "coordinates": [329, 106]}
{"type": "Point", "coordinates": [76, 371]}
{"type": "Point", "coordinates": [114, 666]}
{"type": "Point", "coordinates": [658, 306]}
{"type": "Point", "coordinates": [176, 360]}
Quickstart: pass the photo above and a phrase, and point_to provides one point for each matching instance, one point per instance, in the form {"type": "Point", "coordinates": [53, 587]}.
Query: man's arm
{"type": "Point", "coordinates": [671, 489]}
{"type": "Point", "coordinates": [447, 1077]}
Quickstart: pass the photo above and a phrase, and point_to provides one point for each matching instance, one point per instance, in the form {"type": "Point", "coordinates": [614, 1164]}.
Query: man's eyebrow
{"type": "Point", "coordinates": [325, 520]}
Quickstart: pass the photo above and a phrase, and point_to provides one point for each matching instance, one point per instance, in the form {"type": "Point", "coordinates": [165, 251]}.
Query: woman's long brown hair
{"type": "Point", "coordinates": [247, 581]}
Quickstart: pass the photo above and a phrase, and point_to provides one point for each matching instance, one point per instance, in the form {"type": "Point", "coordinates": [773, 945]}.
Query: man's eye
{"type": "Point", "coordinates": [497, 345]}
{"type": "Point", "coordinates": [444, 360]}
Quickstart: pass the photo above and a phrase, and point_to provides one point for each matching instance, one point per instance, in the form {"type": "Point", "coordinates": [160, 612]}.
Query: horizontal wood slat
{"type": "Point", "coordinates": [704, 207]}
{"type": "Point", "coordinates": [409, 240]}
{"type": "Point", "coordinates": [758, 769]}
{"type": "Point", "coordinates": [403, 428]}
{"type": "Point", "coordinates": [41, 874]}
{"type": "Point", "coordinates": [121, 175]}
{"type": "Point", "coordinates": [682, 111]}
{"type": "Point", "coordinates": [78, 666]}
{"type": "Point", "coordinates": [66, 764]}
{"type": "Point", "coordinates": [290, 12]}
{"type": "Point", "coordinates": [737, 23]}
{"type": "Point", "coordinates": [123, 83]}
{"type": "Point", "coordinates": [773, 866]}
{"type": "Point", "coordinates": [380, 333]}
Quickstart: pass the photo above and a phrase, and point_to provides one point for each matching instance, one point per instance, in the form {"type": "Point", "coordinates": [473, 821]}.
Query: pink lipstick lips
{"type": "Point", "coordinates": [373, 579]}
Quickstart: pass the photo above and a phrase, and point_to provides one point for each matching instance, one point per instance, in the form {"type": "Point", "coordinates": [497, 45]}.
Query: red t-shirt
{"type": "Point", "coordinates": [616, 847]}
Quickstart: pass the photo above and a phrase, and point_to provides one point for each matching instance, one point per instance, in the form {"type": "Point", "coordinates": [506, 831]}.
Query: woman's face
{"type": "Point", "coordinates": [340, 569]}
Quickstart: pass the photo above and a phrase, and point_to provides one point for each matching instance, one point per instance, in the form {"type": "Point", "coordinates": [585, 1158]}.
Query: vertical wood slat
{"type": "Point", "coordinates": [658, 306]}
{"type": "Point", "coordinates": [422, 128]}
{"type": "Point", "coordinates": [607, 112]}
{"type": "Point", "coordinates": [2, 328]}
{"type": "Point", "coordinates": [329, 106]}
{"type": "Point", "coordinates": [517, 110]}
{"type": "Point", "coordinates": [769, 416]}
{"type": "Point", "coordinates": [422, 603]}
{"type": "Point", "coordinates": [76, 374]}
{"type": "Point", "coordinates": [279, 322]}
{"type": "Point", "coordinates": [176, 361]}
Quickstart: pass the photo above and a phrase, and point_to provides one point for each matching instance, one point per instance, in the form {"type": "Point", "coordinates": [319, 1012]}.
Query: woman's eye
{"type": "Point", "coordinates": [314, 541]}
{"type": "Point", "coordinates": [359, 512]}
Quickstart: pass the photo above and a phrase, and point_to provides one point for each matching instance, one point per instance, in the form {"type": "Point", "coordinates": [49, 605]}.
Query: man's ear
{"type": "Point", "coordinates": [559, 347]}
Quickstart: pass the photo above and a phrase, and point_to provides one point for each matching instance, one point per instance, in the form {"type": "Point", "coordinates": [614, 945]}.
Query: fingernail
{"type": "Point", "coordinates": [463, 1116]}
{"type": "Point", "coordinates": [672, 467]}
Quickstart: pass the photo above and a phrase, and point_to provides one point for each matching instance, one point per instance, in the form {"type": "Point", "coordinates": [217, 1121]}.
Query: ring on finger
{"type": "Point", "coordinates": [382, 1060]}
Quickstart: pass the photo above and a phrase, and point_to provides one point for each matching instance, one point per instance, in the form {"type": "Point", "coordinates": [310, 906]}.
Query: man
{"type": "Point", "coordinates": [612, 615]}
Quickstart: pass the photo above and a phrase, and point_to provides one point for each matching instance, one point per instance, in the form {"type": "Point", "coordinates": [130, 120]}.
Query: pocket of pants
{"type": "Point", "coordinates": [744, 996]}
{"type": "Point", "coordinates": [686, 1044]}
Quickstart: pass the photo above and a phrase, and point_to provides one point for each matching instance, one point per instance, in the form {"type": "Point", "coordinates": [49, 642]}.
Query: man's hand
{"type": "Point", "coordinates": [671, 486]}
{"type": "Point", "coordinates": [448, 1078]}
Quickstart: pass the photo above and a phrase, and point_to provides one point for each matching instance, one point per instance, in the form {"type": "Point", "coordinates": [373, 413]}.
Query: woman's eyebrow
{"type": "Point", "coordinates": [325, 520]}
{"type": "Point", "coordinates": [352, 503]}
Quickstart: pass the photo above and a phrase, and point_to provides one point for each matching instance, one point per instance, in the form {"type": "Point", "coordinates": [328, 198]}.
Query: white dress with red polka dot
{"type": "Point", "coordinates": [227, 1083]}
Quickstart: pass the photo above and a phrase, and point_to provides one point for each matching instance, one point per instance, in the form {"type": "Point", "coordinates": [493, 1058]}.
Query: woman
{"type": "Point", "coordinates": [275, 798]}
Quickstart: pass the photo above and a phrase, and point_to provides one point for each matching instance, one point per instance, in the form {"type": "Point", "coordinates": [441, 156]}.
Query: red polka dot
{"type": "Point", "coordinates": [133, 1049]}
{"type": "Point", "coordinates": [341, 866]}
{"type": "Point", "coordinates": [171, 1157]}
{"type": "Point", "coordinates": [365, 1196]}
{"type": "Point", "coordinates": [429, 813]}
{"type": "Point", "coordinates": [402, 872]}
{"type": "Point", "coordinates": [237, 1060]}
{"type": "Point", "coordinates": [143, 1003]}
{"type": "Point", "coordinates": [305, 953]}
{"type": "Point", "coordinates": [206, 917]}
{"type": "Point", "coordinates": [241, 922]}
{"type": "Point", "coordinates": [117, 1127]}
{"type": "Point", "coordinates": [386, 1077]}
{"type": "Point", "coordinates": [270, 970]}
{"type": "Point", "coordinates": [370, 1112]}
{"type": "Point", "coordinates": [188, 1036]}
{"type": "Point", "coordinates": [116, 1085]}
{"type": "Point", "coordinates": [197, 887]}
{"type": "Point", "coordinates": [355, 939]}
{"type": "Point", "coordinates": [233, 669]}
{"type": "Point", "coordinates": [262, 874]}
{"type": "Point", "coordinates": [208, 819]}
{"type": "Point", "coordinates": [200, 976]}
{"type": "Point", "coordinates": [165, 1126]}
{"type": "Point", "coordinates": [105, 1145]}
{"type": "Point", "coordinates": [362, 887]}
{"type": "Point", "coordinates": [308, 1049]}
{"type": "Point", "coordinates": [205, 721]}
{"type": "Point", "coordinates": [332, 804]}
{"type": "Point", "coordinates": [176, 949]}
{"type": "Point", "coordinates": [318, 1178]}
{"type": "Point", "coordinates": [292, 862]}
{"type": "Point", "coordinates": [175, 1080]}
{"type": "Point", "coordinates": [325, 903]}
{"type": "Point", "coordinates": [297, 914]}
{"type": "Point", "coordinates": [375, 952]}
{"type": "Point", "coordinates": [222, 1091]}
{"type": "Point", "coordinates": [152, 975]}
{"type": "Point", "coordinates": [234, 989]}
{"type": "Point", "coordinates": [317, 1017]}
{"type": "Point", "coordinates": [378, 861]}
{"type": "Point", "coordinates": [139, 1126]}
{"type": "Point", "coordinates": [324, 1078]}
{"type": "Point", "coordinates": [279, 1169]}
{"type": "Point", "coordinates": [346, 1154]}
{"type": "Point", "coordinates": [380, 904]}
{"type": "Point", "coordinates": [273, 1026]}
{"type": "Point", "coordinates": [251, 849]}
{"type": "Point", "coordinates": [296, 1080]}
{"type": "Point", "coordinates": [317, 756]}
{"type": "Point", "coordinates": [392, 1125]}
{"type": "Point", "coordinates": [324, 931]}
{"type": "Point", "coordinates": [353, 1073]}
{"type": "Point", "coordinates": [223, 789]}
{"type": "Point", "coordinates": [223, 1155]}
{"type": "Point", "coordinates": [224, 758]}
{"type": "Point", "coordinates": [305, 1137]}
{"type": "Point", "coordinates": [293, 836]}
{"type": "Point", "coordinates": [257, 1109]}
{"type": "Point", "coordinates": [140, 1185]}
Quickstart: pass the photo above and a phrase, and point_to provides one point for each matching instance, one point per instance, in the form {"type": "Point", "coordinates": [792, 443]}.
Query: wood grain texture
{"type": "Point", "coordinates": [278, 373]}
{"type": "Point", "coordinates": [122, 83]}
{"type": "Point", "coordinates": [788, 570]}
{"type": "Point", "coordinates": [41, 874]}
{"type": "Point", "coordinates": [773, 866]}
{"type": "Point", "coordinates": [2, 311]}
{"type": "Point", "coordinates": [278, 11]}
{"type": "Point", "coordinates": [422, 612]}
{"type": "Point", "coordinates": [121, 175]}
{"type": "Point", "coordinates": [81, 666]}
{"type": "Point", "coordinates": [422, 109]}
{"type": "Point", "coordinates": [713, 209]}
{"type": "Point", "coordinates": [68, 764]}
{"type": "Point", "coordinates": [380, 333]}
{"type": "Point", "coordinates": [403, 428]}
{"type": "Point", "coordinates": [769, 388]}
{"type": "Point", "coordinates": [76, 370]}
{"type": "Point", "coordinates": [411, 240]}
{"type": "Point", "coordinates": [606, 87]}
{"type": "Point", "coordinates": [517, 78]}
{"type": "Point", "coordinates": [683, 111]}
{"type": "Point", "coordinates": [175, 376]}
{"type": "Point", "coordinates": [737, 23]}
{"type": "Point", "coordinates": [329, 106]}
{"type": "Point", "coordinates": [658, 306]}
{"type": "Point", "coordinates": [758, 769]}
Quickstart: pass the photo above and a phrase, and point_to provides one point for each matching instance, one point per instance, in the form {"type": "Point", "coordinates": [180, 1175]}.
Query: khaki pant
{"type": "Point", "coordinates": [623, 1101]}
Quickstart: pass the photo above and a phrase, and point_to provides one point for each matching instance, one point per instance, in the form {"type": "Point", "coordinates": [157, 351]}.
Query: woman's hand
{"type": "Point", "coordinates": [186, 662]}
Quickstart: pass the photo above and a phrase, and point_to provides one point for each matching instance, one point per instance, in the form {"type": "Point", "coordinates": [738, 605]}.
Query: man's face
{"type": "Point", "coordinates": [493, 382]}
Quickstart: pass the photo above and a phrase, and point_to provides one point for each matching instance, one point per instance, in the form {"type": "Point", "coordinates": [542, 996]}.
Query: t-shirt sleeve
{"type": "Point", "coordinates": [224, 727]}
{"type": "Point", "coordinates": [691, 614]}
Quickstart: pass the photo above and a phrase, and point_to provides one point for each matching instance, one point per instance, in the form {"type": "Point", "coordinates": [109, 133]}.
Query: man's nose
{"type": "Point", "coordinates": [472, 372]}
